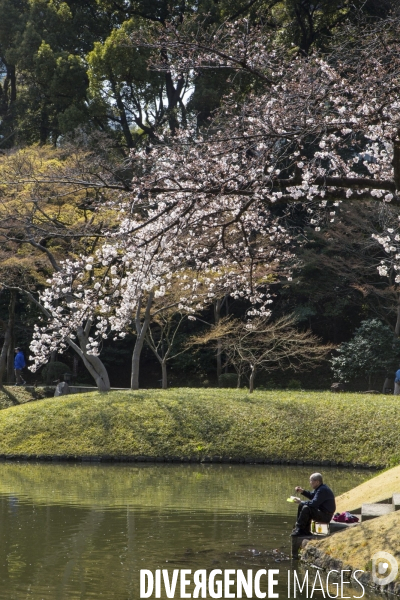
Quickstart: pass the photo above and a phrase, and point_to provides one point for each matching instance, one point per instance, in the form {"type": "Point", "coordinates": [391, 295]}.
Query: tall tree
{"type": "Point", "coordinates": [45, 209]}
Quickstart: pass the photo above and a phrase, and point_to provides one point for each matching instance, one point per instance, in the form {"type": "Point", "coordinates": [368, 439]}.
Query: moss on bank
{"type": "Point", "coordinates": [308, 426]}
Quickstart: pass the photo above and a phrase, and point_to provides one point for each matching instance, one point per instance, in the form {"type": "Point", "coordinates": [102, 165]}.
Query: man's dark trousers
{"type": "Point", "coordinates": [306, 513]}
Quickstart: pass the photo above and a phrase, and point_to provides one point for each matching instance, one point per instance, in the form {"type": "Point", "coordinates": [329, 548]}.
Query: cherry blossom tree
{"type": "Point", "coordinates": [45, 207]}
{"type": "Point", "coordinates": [320, 129]}
{"type": "Point", "coordinates": [309, 131]}
{"type": "Point", "coordinates": [124, 281]}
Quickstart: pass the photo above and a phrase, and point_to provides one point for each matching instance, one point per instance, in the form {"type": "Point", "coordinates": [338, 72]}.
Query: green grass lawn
{"type": "Point", "coordinates": [310, 426]}
{"type": "Point", "coordinates": [12, 395]}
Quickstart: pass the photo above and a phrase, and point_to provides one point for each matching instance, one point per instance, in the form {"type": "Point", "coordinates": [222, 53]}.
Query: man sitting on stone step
{"type": "Point", "coordinates": [320, 505]}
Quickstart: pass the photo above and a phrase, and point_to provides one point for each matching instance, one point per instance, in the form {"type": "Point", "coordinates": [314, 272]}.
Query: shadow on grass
{"type": "Point", "coordinates": [10, 395]}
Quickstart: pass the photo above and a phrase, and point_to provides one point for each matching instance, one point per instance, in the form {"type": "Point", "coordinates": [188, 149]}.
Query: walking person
{"type": "Point", "coordinates": [397, 383]}
{"type": "Point", "coordinates": [19, 364]}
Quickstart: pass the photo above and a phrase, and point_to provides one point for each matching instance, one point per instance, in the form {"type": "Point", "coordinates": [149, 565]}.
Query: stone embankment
{"type": "Point", "coordinates": [377, 501]}
{"type": "Point", "coordinates": [316, 557]}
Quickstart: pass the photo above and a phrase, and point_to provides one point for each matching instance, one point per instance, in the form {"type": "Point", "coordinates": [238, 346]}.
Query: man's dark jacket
{"type": "Point", "coordinates": [321, 498]}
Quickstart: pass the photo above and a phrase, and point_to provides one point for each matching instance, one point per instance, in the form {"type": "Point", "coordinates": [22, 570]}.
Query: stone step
{"type": "Point", "coordinates": [396, 501]}
{"type": "Point", "coordinates": [371, 511]}
{"type": "Point", "coordinates": [334, 526]}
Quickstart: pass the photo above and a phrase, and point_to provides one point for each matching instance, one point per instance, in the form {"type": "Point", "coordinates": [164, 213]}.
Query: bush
{"type": "Point", "coordinates": [228, 380]}
{"type": "Point", "coordinates": [54, 370]}
{"type": "Point", "coordinates": [293, 384]}
{"type": "Point", "coordinates": [373, 350]}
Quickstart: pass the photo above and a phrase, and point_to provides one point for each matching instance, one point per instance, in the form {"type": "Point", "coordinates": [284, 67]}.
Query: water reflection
{"type": "Point", "coordinates": [85, 531]}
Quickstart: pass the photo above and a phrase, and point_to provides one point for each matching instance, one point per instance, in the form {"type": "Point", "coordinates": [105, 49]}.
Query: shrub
{"type": "Point", "coordinates": [228, 380]}
{"type": "Point", "coordinates": [293, 384]}
{"type": "Point", "coordinates": [54, 370]}
{"type": "Point", "coordinates": [373, 350]}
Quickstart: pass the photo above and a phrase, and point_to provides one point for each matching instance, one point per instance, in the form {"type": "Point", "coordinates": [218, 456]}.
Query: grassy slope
{"type": "Point", "coordinates": [379, 488]}
{"type": "Point", "coordinates": [355, 546]}
{"type": "Point", "coordinates": [11, 395]}
{"type": "Point", "coordinates": [197, 422]}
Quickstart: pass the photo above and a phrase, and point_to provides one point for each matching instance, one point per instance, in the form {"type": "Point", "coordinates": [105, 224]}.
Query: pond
{"type": "Point", "coordinates": [77, 531]}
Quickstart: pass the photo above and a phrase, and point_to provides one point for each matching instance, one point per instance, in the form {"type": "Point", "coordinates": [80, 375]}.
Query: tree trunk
{"type": "Point", "coordinates": [217, 317]}
{"type": "Point", "coordinates": [388, 384]}
{"type": "Point", "coordinates": [43, 128]}
{"type": "Point", "coordinates": [164, 383]}
{"type": "Point", "coordinates": [75, 363]}
{"type": "Point", "coordinates": [173, 96]}
{"type": "Point", "coordinates": [136, 362]}
{"type": "Point", "coordinates": [219, 359]}
{"type": "Point", "coordinates": [252, 377]}
{"type": "Point", "coordinates": [397, 327]}
{"type": "Point", "coordinates": [3, 354]}
{"type": "Point", "coordinates": [396, 163]}
{"type": "Point", "coordinates": [13, 82]}
{"type": "Point", "coordinates": [122, 115]}
{"type": "Point", "coordinates": [11, 325]}
{"type": "Point", "coordinates": [8, 336]}
{"type": "Point", "coordinates": [91, 362]}
{"type": "Point", "coordinates": [141, 329]}
{"type": "Point", "coordinates": [10, 359]}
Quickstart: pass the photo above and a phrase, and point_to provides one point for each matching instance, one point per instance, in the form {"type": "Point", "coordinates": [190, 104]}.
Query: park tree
{"type": "Point", "coordinates": [265, 345]}
{"type": "Point", "coordinates": [16, 272]}
{"type": "Point", "coordinates": [307, 24]}
{"type": "Point", "coordinates": [42, 49]}
{"type": "Point", "coordinates": [313, 133]}
{"type": "Point", "coordinates": [128, 280]}
{"type": "Point", "coordinates": [132, 98]}
{"type": "Point", "coordinates": [169, 314]}
{"type": "Point", "coordinates": [305, 132]}
{"type": "Point", "coordinates": [7, 327]}
{"type": "Point", "coordinates": [336, 283]}
{"type": "Point", "coordinates": [373, 350]}
{"type": "Point", "coordinates": [47, 216]}
{"type": "Point", "coordinates": [162, 338]}
{"type": "Point", "coordinates": [320, 130]}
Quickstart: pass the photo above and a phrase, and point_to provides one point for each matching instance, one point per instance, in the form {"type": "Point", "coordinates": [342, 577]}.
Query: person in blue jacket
{"type": "Point", "coordinates": [320, 505]}
{"type": "Point", "coordinates": [19, 364]}
{"type": "Point", "coordinates": [396, 391]}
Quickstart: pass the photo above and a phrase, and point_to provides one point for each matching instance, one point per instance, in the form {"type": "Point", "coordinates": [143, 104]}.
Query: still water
{"type": "Point", "coordinates": [84, 531]}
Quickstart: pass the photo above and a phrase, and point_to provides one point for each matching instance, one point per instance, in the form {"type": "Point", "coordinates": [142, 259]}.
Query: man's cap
{"type": "Point", "coordinates": [17, 348]}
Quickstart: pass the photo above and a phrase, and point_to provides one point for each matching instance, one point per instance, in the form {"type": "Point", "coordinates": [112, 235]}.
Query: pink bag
{"type": "Point", "coordinates": [345, 517]}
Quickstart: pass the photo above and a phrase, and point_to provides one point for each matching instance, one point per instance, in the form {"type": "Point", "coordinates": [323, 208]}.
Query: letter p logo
{"type": "Point", "coordinates": [384, 568]}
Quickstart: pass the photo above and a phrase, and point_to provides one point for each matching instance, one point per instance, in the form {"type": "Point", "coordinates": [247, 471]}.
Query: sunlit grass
{"type": "Point", "coordinates": [354, 547]}
{"type": "Point", "coordinates": [292, 425]}
{"type": "Point", "coordinates": [11, 395]}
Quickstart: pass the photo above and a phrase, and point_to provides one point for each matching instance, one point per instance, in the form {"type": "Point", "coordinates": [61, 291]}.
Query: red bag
{"type": "Point", "coordinates": [345, 517]}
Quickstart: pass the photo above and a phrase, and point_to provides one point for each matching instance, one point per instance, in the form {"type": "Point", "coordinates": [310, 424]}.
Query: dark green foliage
{"type": "Point", "coordinates": [293, 384]}
{"type": "Point", "coordinates": [373, 349]}
{"type": "Point", "coordinates": [228, 380]}
{"type": "Point", "coordinates": [46, 59]}
{"type": "Point", "coordinates": [53, 371]}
